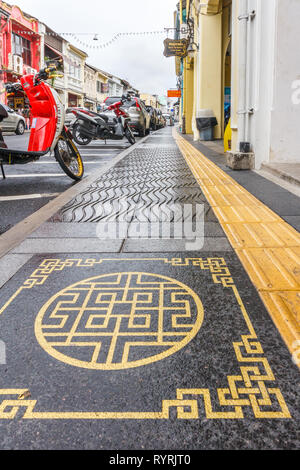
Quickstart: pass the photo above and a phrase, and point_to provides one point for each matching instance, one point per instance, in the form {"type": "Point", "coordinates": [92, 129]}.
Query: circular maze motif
{"type": "Point", "coordinates": [119, 320]}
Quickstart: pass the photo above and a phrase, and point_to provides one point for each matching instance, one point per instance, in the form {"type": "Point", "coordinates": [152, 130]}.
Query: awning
{"type": "Point", "coordinates": [89, 100]}
{"type": "Point", "coordinates": [79, 95]}
{"type": "Point", "coordinates": [53, 50]}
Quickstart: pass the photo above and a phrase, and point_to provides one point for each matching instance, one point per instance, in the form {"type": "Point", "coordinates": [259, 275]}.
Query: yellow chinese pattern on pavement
{"type": "Point", "coordinates": [252, 388]}
{"type": "Point", "coordinates": [120, 320]}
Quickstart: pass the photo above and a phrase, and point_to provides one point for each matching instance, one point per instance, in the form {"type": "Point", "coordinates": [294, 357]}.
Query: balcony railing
{"type": "Point", "coordinates": [75, 83]}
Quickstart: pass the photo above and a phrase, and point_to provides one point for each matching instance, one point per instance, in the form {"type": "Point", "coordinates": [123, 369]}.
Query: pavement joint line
{"type": "Point", "coordinates": [35, 175]}
{"type": "Point", "coordinates": [85, 162]}
{"type": "Point", "coordinates": [274, 271]}
{"type": "Point", "coordinates": [17, 234]}
{"type": "Point", "coordinates": [27, 196]}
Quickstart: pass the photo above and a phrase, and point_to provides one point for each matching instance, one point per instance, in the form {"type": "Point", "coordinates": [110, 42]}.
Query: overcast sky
{"type": "Point", "coordinates": [138, 59]}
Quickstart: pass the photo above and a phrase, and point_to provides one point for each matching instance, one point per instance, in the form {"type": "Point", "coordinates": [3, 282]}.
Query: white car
{"type": "Point", "coordinates": [14, 122]}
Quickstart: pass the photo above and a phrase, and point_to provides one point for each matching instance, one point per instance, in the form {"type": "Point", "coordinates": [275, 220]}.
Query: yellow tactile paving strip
{"type": "Point", "coordinates": [267, 246]}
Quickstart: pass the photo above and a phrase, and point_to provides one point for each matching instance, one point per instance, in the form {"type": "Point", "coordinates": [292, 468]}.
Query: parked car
{"type": "Point", "coordinates": [140, 120]}
{"type": "Point", "coordinates": [161, 119]}
{"type": "Point", "coordinates": [169, 119]}
{"type": "Point", "coordinates": [14, 122]}
{"type": "Point", "coordinates": [154, 120]}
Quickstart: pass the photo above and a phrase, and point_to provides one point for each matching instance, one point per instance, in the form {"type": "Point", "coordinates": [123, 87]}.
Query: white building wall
{"type": "Point", "coordinates": [285, 141]}
{"type": "Point", "coordinates": [261, 78]}
{"type": "Point", "coordinates": [274, 72]}
{"type": "Point", "coordinates": [74, 73]}
{"type": "Point", "coordinates": [100, 97]}
{"type": "Point", "coordinates": [90, 86]}
{"type": "Point", "coordinates": [115, 87]}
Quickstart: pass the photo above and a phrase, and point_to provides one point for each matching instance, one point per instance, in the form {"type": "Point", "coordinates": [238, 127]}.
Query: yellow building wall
{"type": "Point", "coordinates": [207, 71]}
{"type": "Point", "coordinates": [187, 110]}
{"type": "Point", "coordinates": [149, 100]}
{"type": "Point", "coordinates": [188, 94]}
{"type": "Point", "coordinates": [226, 64]}
{"type": "Point", "coordinates": [211, 68]}
{"type": "Point", "coordinates": [234, 79]}
{"type": "Point", "coordinates": [210, 75]}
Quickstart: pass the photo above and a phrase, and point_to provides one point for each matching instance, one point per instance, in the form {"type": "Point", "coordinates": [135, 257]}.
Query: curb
{"type": "Point", "coordinates": [281, 174]}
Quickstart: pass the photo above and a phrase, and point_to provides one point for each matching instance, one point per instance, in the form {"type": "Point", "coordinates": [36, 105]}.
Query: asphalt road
{"type": "Point", "coordinates": [29, 187]}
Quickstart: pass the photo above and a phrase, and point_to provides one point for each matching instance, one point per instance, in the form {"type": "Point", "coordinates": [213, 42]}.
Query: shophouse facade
{"type": "Point", "coordinates": [241, 65]}
{"type": "Point", "coordinates": [90, 87]}
{"type": "Point", "coordinates": [53, 47]}
{"type": "Point", "coordinates": [74, 71]}
{"type": "Point", "coordinates": [21, 49]}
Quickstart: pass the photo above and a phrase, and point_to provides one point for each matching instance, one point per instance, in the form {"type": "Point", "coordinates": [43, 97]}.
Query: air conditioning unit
{"type": "Point", "coordinates": [18, 64]}
{"type": "Point", "coordinates": [10, 61]}
{"type": "Point", "coordinates": [30, 71]}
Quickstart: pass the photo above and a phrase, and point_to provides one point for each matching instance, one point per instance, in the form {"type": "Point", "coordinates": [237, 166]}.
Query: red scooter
{"type": "Point", "coordinates": [48, 132]}
{"type": "Point", "coordinates": [90, 125]}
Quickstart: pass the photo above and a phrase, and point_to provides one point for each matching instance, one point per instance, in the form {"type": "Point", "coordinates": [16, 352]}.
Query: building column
{"type": "Point", "coordinates": [188, 94]}
{"type": "Point", "coordinates": [210, 74]}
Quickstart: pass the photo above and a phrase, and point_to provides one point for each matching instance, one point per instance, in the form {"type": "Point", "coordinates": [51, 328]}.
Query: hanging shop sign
{"type": "Point", "coordinates": [177, 48]}
{"type": "Point", "coordinates": [174, 93]}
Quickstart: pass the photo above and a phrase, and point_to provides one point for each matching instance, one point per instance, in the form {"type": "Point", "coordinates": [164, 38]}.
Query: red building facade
{"type": "Point", "coordinates": [19, 47]}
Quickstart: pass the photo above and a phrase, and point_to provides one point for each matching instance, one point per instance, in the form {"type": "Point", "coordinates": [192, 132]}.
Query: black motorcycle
{"type": "Point", "coordinates": [113, 126]}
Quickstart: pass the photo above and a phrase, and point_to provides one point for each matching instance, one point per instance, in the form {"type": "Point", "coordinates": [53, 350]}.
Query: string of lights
{"type": "Point", "coordinates": [94, 37]}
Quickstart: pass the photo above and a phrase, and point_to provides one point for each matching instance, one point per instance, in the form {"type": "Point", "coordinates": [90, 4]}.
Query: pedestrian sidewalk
{"type": "Point", "coordinates": [131, 323]}
{"type": "Point", "coordinates": [243, 211]}
{"type": "Point", "coordinates": [255, 222]}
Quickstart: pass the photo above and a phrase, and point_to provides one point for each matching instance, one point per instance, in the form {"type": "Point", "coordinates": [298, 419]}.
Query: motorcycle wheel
{"type": "Point", "coordinates": [129, 136]}
{"type": "Point", "coordinates": [68, 157]}
{"type": "Point", "coordinates": [79, 139]}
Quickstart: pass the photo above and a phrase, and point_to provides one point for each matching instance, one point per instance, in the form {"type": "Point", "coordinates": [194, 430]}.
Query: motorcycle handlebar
{"type": "Point", "coordinates": [48, 72]}
{"type": "Point", "coordinates": [12, 87]}
{"type": "Point", "coordinates": [50, 69]}
{"type": "Point", "coordinates": [43, 74]}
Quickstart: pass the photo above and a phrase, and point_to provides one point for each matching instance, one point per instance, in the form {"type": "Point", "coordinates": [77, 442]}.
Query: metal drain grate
{"type": "Point", "coordinates": [148, 179]}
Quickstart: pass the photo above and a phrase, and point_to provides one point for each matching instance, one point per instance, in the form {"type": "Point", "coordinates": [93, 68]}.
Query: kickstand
{"type": "Point", "coordinates": [2, 170]}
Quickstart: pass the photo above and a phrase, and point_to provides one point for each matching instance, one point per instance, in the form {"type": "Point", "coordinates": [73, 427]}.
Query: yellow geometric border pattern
{"type": "Point", "coordinates": [251, 388]}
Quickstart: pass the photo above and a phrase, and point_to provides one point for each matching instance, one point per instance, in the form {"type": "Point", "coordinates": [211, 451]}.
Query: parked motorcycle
{"type": "Point", "coordinates": [48, 132]}
{"type": "Point", "coordinates": [90, 125]}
